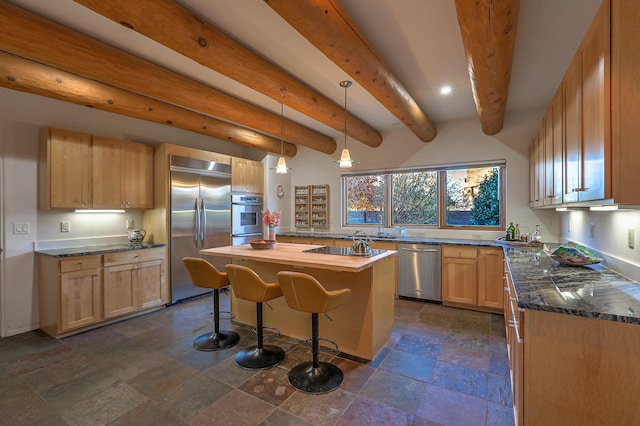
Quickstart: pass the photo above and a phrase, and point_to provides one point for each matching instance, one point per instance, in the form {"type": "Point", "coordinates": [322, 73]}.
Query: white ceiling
{"type": "Point", "coordinates": [418, 39]}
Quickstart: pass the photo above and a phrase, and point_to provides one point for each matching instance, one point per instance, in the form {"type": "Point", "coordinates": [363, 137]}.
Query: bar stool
{"type": "Point", "coordinates": [304, 293]}
{"type": "Point", "coordinates": [204, 274]}
{"type": "Point", "coordinates": [247, 285]}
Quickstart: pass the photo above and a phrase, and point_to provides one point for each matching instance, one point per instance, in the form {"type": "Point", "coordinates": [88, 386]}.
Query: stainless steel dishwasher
{"type": "Point", "coordinates": [419, 271]}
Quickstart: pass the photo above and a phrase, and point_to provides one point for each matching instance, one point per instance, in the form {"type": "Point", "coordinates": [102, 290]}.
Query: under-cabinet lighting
{"type": "Point", "coordinates": [604, 208]}
{"type": "Point", "coordinates": [562, 209]}
{"type": "Point", "coordinates": [100, 211]}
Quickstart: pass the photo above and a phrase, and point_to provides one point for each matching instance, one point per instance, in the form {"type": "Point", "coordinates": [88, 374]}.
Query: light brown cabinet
{"type": "Point", "coordinates": [490, 275]}
{"type": "Point", "coordinates": [64, 170]}
{"type": "Point", "coordinates": [70, 292]}
{"type": "Point", "coordinates": [122, 174]}
{"type": "Point", "coordinates": [552, 167]}
{"type": "Point", "coordinates": [459, 275]}
{"type": "Point", "coordinates": [80, 292]}
{"type": "Point", "coordinates": [514, 329]}
{"type": "Point", "coordinates": [591, 362]}
{"type": "Point", "coordinates": [536, 160]}
{"type": "Point", "coordinates": [601, 106]}
{"type": "Point", "coordinates": [79, 171]}
{"type": "Point", "coordinates": [472, 276]}
{"type": "Point", "coordinates": [247, 176]}
{"type": "Point", "coordinates": [133, 280]}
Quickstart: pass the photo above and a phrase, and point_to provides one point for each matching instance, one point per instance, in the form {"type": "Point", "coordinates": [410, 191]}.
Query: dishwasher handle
{"type": "Point", "coordinates": [419, 250]}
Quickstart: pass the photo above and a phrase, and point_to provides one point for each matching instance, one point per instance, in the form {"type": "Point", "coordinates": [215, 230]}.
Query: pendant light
{"type": "Point", "coordinates": [282, 163]}
{"type": "Point", "coordinates": [345, 160]}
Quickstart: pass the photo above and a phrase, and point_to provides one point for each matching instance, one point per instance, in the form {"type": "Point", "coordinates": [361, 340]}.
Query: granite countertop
{"type": "Point", "coordinates": [592, 291]}
{"type": "Point", "coordinates": [405, 240]}
{"type": "Point", "coordinates": [95, 249]}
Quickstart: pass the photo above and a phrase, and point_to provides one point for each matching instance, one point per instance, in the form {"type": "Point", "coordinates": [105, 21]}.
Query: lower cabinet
{"type": "Point", "coordinates": [133, 280]}
{"type": "Point", "coordinates": [79, 292]}
{"type": "Point", "coordinates": [514, 328]}
{"type": "Point", "coordinates": [472, 276]}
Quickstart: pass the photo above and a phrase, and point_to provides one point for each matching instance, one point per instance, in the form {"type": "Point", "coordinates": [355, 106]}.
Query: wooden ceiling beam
{"type": "Point", "coordinates": [30, 36]}
{"type": "Point", "coordinates": [175, 27]}
{"type": "Point", "coordinates": [32, 77]}
{"type": "Point", "coordinates": [328, 27]}
{"type": "Point", "coordinates": [488, 29]}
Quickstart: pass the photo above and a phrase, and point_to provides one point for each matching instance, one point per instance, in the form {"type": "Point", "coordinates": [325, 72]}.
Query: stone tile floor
{"type": "Point", "coordinates": [443, 366]}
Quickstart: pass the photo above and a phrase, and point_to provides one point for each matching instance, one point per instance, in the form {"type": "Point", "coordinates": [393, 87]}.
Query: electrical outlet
{"type": "Point", "coordinates": [130, 224]}
{"type": "Point", "coordinates": [631, 238]}
{"type": "Point", "coordinates": [569, 225]}
{"type": "Point", "coordinates": [65, 226]}
{"type": "Point", "coordinates": [592, 229]}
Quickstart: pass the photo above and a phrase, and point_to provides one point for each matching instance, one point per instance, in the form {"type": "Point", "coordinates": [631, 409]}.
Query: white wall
{"type": "Point", "coordinates": [607, 233]}
{"type": "Point", "coordinates": [456, 142]}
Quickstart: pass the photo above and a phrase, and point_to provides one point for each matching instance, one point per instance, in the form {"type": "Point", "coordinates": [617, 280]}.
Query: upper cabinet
{"type": "Point", "coordinates": [600, 108]}
{"type": "Point", "coordinates": [247, 176]}
{"type": "Point", "coordinates": [64, 170]}
{"type": "Point", "coordinates": [122, 174]}
{"type": "Point", "coordinates": [78, 171]}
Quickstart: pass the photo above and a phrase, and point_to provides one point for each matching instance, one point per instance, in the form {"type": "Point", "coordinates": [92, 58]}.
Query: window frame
{"type": "Point", "coordinates": [442, 193]}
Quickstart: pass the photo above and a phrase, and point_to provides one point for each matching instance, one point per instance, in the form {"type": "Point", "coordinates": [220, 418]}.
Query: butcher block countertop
{"type": "Point", "coordinates": [293, 255]}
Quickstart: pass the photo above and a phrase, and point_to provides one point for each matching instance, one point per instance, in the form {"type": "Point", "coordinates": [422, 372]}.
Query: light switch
{"type": "Point", "coordinates": [22, 228]}
{"type": "Point", "coordinates": [631, 238]}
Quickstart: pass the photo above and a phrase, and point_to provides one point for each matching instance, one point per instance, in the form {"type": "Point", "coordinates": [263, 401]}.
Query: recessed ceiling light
{"type": "Point", "coordinates": [445, 90]}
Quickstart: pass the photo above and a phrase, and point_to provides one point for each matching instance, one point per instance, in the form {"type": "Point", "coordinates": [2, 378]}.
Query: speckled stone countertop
{"type": "Point", "coordinates": [96, 249]}
{"type": "Point", "coordinates": [405, 240]}
{"type": "Point", "coordinates": [589, 291]}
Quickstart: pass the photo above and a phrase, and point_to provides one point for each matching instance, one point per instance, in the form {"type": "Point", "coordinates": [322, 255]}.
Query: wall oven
{"type": "Point", "coordinates": [246, 217]}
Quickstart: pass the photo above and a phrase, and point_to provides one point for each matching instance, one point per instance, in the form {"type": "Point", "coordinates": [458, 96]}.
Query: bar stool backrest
{"type": "Point", "coordinates": [204, 274]}
{"type": "Point", "coordinates": [248, 285]}
{"type": "Point", "coordinates": [304, 293]}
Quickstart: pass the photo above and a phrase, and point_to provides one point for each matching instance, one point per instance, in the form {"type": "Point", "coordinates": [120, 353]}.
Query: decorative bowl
{"type": "Point", "coordinates": [262, 244]}
{"type": "Point", "coordinates": [572, 254]}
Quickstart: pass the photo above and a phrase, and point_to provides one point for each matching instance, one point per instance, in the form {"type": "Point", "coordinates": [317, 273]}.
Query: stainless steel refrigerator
{"type": "Point", "coordinates": [200, 217]}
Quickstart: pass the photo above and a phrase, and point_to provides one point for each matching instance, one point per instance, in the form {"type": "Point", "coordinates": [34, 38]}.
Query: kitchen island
{"type": "Point", "coordinates": [361, 327]}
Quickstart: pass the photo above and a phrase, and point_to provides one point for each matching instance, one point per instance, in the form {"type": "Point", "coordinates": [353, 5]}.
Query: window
{"type": "Point", "coordinates": [473, 197]}
{"type": "Point", "coordinates": [439, 197]}
{"type": "Point", "coordinates": [415, 198]}
{"type": "Point", "coordinates": [365, 199]}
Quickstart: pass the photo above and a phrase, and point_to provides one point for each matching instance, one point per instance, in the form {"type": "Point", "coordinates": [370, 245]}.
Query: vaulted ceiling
{"type": "Point", "coordinates": [222, 67]}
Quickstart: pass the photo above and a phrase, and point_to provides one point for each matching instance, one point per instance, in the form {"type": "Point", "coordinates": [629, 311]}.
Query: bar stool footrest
{"type": "Point", "coordinates": [255, 358]}
{"type": "Point", "coordinates": [216, 341]}
{"type": "Point", "coordinates": [273, 334]}
{"type": "Point", "coordinates": [325, 378]}
{"type": "Point", "coordinates": [335, 347]}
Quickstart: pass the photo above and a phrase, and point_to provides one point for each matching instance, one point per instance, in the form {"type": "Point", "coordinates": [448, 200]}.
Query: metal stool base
{"type": "Point", "coordinates": [325, 378]}
{"type": "Point", "coordinates": [256, 358]}
{"type": "Point", "coordinates": [216, 341]}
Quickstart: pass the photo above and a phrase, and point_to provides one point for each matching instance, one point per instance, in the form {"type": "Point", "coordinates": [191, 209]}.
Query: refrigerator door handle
{"type": "Point", "coordinates": [196, 234]}
{"type": "Point", "coordinates": [203, 222]}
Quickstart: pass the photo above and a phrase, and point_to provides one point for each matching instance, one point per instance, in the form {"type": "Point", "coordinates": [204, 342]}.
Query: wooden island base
{"type": "Point", "coordinates": [361, 327]}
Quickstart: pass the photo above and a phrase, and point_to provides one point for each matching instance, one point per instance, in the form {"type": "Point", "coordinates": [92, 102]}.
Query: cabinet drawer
{"type": "Point", "coordinates": [460, 252]}
{"type": "Point", "coordinates": [79, 263]}
{"type": "Point", "coordinates": [133, 256]}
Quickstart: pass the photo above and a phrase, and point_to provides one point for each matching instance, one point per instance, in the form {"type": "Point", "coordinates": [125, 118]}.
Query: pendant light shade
{"type": "Point", "coordinates": [345, 160]}
{"type": "Point", "coordinates": [282, 163]}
